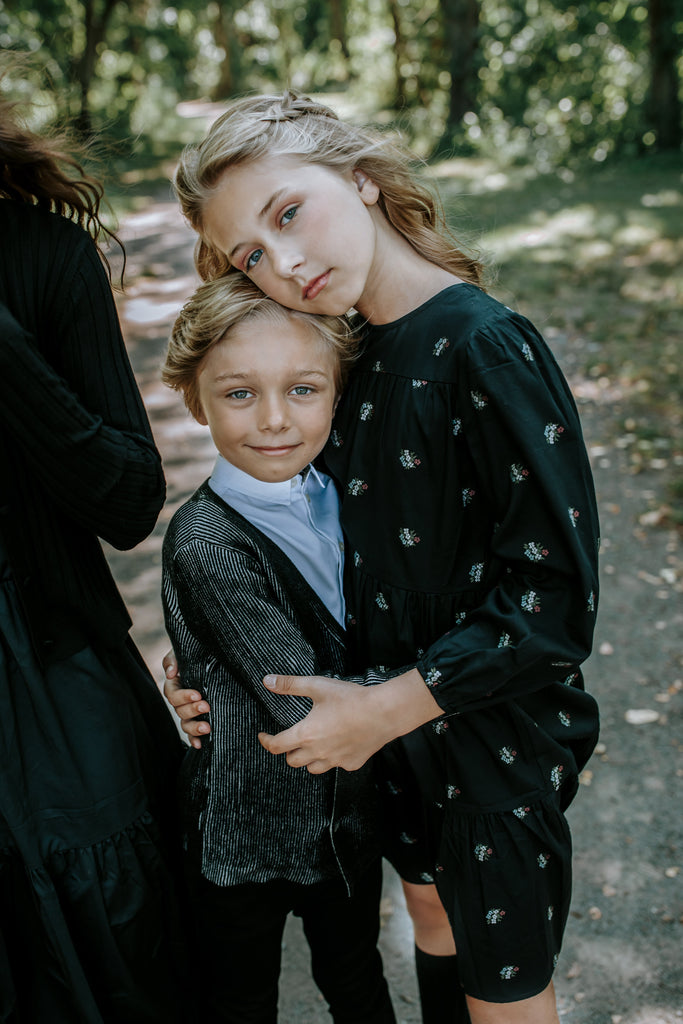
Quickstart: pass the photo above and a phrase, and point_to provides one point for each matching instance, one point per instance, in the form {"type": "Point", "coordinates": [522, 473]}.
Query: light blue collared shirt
{"type": "Point", "coordinates": [301, 516]}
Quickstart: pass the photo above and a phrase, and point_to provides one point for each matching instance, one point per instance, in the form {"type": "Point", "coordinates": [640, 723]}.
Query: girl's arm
{"type": "Point", "coordinates": [219, 597]}
{"type": "Point", "coordinates": [82, 429]}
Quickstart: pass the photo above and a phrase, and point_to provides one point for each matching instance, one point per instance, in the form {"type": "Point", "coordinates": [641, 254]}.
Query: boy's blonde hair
{"type": "Point", "coordinates": [294, 125]}
{"type": "Point", "coordinates": [218, 306]}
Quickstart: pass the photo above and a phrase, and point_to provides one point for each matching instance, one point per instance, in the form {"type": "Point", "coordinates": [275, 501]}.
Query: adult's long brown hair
{"type": "Point", "coordinates": [41, 170]}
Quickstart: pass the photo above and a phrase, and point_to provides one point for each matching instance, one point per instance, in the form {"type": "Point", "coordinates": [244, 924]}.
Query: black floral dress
{"type": "Point", "coordinates": [472, 534]}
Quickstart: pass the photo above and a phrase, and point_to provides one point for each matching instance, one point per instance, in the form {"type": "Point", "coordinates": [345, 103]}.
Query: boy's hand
{"type": "Point", "coordinates": [348, 722]}
{"type": "Point", "coordinates": [187, 704]}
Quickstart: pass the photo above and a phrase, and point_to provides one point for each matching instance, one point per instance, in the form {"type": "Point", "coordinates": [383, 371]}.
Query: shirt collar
{"type": "Point", "coordinates": [226, 478]}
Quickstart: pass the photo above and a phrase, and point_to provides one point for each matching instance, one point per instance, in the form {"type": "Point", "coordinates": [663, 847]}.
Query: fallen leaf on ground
{"type": "Point", "coordinates": [641, 716]}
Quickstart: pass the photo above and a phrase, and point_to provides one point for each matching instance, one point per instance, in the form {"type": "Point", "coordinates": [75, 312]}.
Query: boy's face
{"type": "Point", "coordinates": [268, 394]}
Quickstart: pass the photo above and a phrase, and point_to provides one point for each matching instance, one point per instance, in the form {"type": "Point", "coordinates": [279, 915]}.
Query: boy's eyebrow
{"type": "Point", "coordinates": [247, 375]}
{"type": "Point", "coordinates": [262, 213]}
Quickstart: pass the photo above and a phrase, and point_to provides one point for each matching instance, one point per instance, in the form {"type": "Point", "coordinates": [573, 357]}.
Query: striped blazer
{"type": "Point", "coordinates": [237, 608]}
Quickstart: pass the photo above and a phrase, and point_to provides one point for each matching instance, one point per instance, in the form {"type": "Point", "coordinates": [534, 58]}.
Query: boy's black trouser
{"type": "Point", "coordinates": [240, 936]}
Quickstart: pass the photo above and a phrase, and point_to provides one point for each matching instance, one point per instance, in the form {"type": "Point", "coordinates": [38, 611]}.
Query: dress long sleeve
{"type": "Point", "coordinates": [536, 619]}
{"type": "Point", "coordinates": [80, 425]}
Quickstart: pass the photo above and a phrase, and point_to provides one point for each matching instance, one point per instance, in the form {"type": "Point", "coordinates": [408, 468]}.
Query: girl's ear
{"type": "Point", "coordinates": [369, 191]}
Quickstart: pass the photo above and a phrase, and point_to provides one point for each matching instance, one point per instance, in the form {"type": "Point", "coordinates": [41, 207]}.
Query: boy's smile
{"type": "Point", "coordinates": [304, 233]}
{"type": "Point", "coordinates": [268, 392]}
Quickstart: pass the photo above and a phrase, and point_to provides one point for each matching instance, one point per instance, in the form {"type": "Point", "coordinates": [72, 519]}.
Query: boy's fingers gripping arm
{"type": "Point", "coordinates": [187, 704]}
{"type": "Point", "coordinates": [348, 723]}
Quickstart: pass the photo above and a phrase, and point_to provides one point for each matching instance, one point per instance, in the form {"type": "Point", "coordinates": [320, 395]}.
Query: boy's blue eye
{"type": "Point", "coordinates": [253, 258]}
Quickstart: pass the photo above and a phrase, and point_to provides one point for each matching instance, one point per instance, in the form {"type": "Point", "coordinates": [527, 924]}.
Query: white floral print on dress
{"type": "Point", "coordinates": [565, 718]}
{"type": "Point", "coordinates": [408, 537]}
{"type": "Point", "coordinates": [457, 426]}
{"type": "Point", "coordinates": [556, 776]}
{"type": "Point", "coordinates": [508, 973]}
{"type": "Point", "coordinates": [479, 401]}
{"type": "Point", "coordinates": [507, 755]}
{"type": "Point", "coordinates": [408, 459]}
{"type": "Point", "coordinates": [366, 411]}
{"type": "Point", "coordinates": [381, 602]}
{"type": "Point", "coordinates": [527, 353]}
{"type": "Point", "coordinates": [518, 473]}
{"type": "Point", "coordinates": [477, 572]}
{"type": "Point", "coordinates": [530, 602]}
{"type": "Point", "coordinates": [467, 495]}
{"type": "Point", "coordinates": [356, 487]}
{"type": "Point", "coordinates": [378, 368]}
{"type": "Point", "coordinates": [573, 515]}
{"type": "Point", "coordinates": [441, 346]}
{"type": "Point", "coordinates": [440, 727]}
{"type": "Point", "coordinates": [542, 860]}
{"type": "Point", "coordinates": [452, 791]}
{"type": "Point", "coordinates": [552, 432]}
{"type": "Point", "coordinates": [495, 915]}
{"type": "Point", "coordinates": [417, 383]}
{"type": "Point", "coordinates": [504, 640]}
{"type": "Point", "coordinates": [521, 812]}
{"type": "Point", "coordinates": [535, 551]}
{"type": "Point", "coordinates": [432, 677]}
{"type": "Point", "coordinates": [336, 439]}
{"type": "Point", "coordinates": [483, 852]}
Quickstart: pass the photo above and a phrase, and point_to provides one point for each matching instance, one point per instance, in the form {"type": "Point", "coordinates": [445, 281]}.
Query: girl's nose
{"type": "Point", "coordinates": [286, 262]}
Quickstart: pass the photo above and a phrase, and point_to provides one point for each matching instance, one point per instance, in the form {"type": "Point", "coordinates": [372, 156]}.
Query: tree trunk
{"type": "Point", "coordinates": [664, 103]}
{"type": "Point", "coordinates": [399, 55]}
{"type": "Point", "coordinates": [461, 34]}
{"type": "Point", "coordinates": [338, 25]}
{"type": "Point", "coordinates": [226, 37]}
{"type": "Point", "coordinates": [95, 24]}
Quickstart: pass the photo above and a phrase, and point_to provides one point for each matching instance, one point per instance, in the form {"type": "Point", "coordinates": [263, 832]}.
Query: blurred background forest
{"type": "Point", "coordinates": [553, 132]}
{"type": "Point", "coordinates": [530, 79]}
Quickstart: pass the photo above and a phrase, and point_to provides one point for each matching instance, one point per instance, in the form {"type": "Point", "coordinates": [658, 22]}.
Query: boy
{"type": "Point", "coordinates": [252, 575]}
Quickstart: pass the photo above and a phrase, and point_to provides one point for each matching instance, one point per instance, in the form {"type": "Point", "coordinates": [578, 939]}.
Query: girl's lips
{"type": "Point", "coordinates": [315, 286]}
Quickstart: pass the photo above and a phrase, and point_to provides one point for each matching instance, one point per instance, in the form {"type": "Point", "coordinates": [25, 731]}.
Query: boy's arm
{"type": "Point", "coordinates": [225, 598]}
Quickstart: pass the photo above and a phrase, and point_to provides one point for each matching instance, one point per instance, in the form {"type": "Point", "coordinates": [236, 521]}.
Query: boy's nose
{"type": "Point", "coordinates": [273, 414]}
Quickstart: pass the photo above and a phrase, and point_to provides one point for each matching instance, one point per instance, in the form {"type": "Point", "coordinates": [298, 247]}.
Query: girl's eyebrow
{"type": "Point", "coordinates": [262, 213]}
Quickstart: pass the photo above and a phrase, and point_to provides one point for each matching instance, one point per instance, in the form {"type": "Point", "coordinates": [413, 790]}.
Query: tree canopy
{"type": "Point", "coordinates": [530, 79]}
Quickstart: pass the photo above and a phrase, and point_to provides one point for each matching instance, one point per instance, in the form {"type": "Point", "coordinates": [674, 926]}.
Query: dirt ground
{"type": "Point", "coordinates": [622, 961]}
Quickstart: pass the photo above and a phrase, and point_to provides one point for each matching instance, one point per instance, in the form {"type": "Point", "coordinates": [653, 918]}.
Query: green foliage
{"type": "Point", "coordinates": [553, 84]}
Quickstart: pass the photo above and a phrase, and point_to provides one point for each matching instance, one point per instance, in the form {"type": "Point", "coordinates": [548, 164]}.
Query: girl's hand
{"type": "Point", "coordinates": [348, 722]}
{"type": "Point", "coordinates": [187, 704]}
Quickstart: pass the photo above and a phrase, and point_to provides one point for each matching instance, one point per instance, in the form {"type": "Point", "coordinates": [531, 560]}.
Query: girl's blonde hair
{"type": "Point", "coordinates": [218, 306]}
{"type": "Point", "coordinates": [294, 125]}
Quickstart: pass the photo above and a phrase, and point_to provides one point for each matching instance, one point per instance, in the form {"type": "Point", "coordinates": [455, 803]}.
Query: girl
{"type": "Point", "coordinates": [472, 539]}
{"type": "Point", "coordinates": [88, 928]}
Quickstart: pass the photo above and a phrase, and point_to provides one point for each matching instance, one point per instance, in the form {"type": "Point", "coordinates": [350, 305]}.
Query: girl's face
{"type": "Point", "coordinates": [305, 234]}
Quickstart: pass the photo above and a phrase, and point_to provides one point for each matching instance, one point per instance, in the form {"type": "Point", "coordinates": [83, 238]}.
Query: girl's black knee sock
{"type": "Point", "coordinates": [441, 996]}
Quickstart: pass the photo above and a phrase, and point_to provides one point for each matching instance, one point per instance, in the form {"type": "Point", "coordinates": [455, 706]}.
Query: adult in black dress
{"type": "Point", "coordinates": [88, 751]}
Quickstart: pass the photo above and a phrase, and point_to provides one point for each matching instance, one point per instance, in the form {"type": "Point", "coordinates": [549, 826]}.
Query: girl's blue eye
{"type": "Point", "coordinates": [289, 214]}
{"type": "Point", "coordinates": [302, 389]}
{"type": "Point", "coordinates": [239, 394]}
{"type": "Point", "coordinates": [252, 259]}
